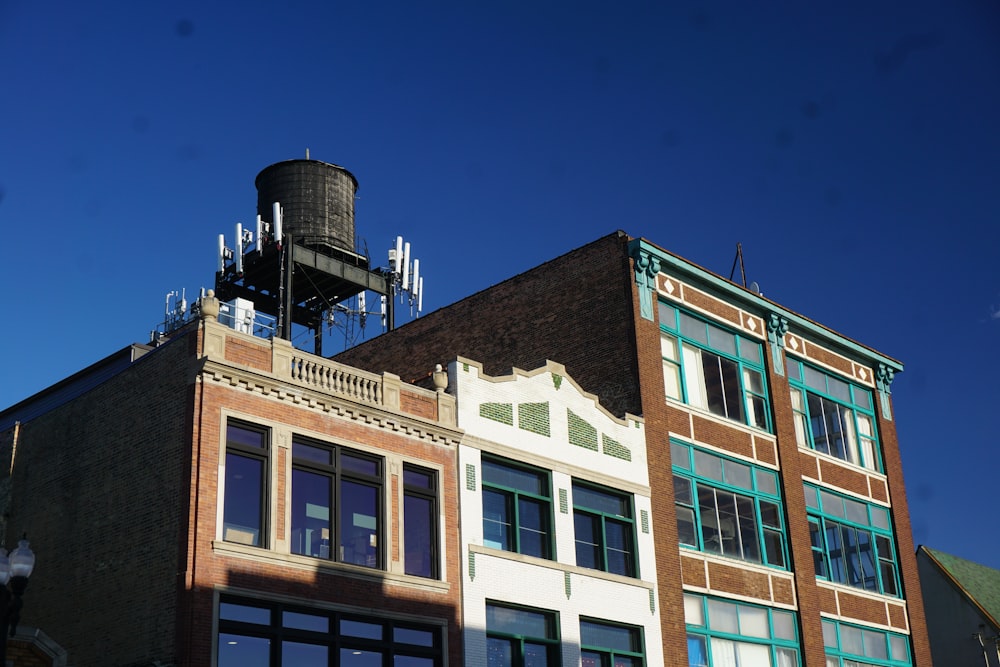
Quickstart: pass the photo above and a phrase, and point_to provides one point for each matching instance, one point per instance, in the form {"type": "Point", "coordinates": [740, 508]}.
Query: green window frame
{"type": "Point", "coordinates": [276, 634]}
{"type": "Point", "coordinates": [725, 632]}
{"type": "Point", "coordinates": [604, 529]}
{"type": "Point", "coordinates": [517, 508]}
{"type": "Point", "coordinates": [609, 644]}
{"type": "Point", "coordinates": [850, 645]}
{"type": "Point", "coordinates": [852, 541]}
{"type": "Point", "coordinates": [713, 368]}
{"type": "Point", "coordinates": [834, 416]}
{"type": "Point", "coordinates": [519, 636]}
{"type": "Point", "coordinates": [728, 507]}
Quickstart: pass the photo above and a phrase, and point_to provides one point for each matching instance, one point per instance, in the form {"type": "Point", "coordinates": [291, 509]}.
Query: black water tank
{"type": "Point", "coordinates": [317, 200]}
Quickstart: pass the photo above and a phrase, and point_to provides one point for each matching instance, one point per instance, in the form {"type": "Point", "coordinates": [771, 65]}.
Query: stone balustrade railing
{"type": "Point", "coordinates": [285, 363]}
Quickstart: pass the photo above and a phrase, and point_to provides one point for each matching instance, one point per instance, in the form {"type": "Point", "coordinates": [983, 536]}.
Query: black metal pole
{"type": "Point", "coordinates": [10, 612]}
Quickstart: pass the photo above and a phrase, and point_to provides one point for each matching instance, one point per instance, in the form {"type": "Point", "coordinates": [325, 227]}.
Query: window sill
{"type": "Point", "coordinates": [556, 565]}
{"type": "Point", "coordinates": [707, 414]}
{"type": "Point", "coordinates": [842, 463]}
{"type": "Point", "coordinates": [844, 588]}
{"type": "Point", "coordinates": [729, 560]}
{"type": "Point", "coordinates": [308, 563]}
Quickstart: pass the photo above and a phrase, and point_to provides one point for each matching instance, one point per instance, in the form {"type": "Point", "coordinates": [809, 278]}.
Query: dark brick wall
{"type": "Point", "coordinates": [575, 309]}
{"type": "Point", "coordinates": [97, 485]}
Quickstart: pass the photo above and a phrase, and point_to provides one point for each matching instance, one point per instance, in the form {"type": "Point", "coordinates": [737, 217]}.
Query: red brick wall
{"type": "Point", "coordinates": [205, 570]}
{"type": "Point", "coordinates": [906, 552]}
{"type": "Point", "coordinates": [662, 418]}
{"type": "Point", "coordinates": [799, 544]}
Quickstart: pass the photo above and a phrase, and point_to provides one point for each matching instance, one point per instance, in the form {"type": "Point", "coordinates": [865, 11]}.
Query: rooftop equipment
{"type": "Point", "coordinates": [299, 263]}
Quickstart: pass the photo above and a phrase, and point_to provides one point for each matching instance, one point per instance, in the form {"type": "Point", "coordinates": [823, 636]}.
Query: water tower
{"type": "Point", "coordinates": [300, 262]}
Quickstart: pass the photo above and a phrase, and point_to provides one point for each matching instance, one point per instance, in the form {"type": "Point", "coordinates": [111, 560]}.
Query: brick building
{"type": "Point", "coordinates": [777, 502]}
{"type": "Point", "coordinates": [221, 499]}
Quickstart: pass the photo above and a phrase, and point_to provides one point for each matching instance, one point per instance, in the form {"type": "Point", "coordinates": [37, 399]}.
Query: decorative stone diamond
{"type": "Point", "coordinates": [793, 343]}
{"type": "Point", "coordinates": [751, 323]}
{"type": "Point", "coordinates": [668, 286]}
{"type": "Point", "coordinates": [862, 374]}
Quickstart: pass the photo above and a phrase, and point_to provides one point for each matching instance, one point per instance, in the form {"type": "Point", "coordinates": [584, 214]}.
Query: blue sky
{"type": "Point", "coordinates": [852, 148]}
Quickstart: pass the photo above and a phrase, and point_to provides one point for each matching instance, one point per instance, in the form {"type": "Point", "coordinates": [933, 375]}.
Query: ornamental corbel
{"type": "Point", "coordinates": [883, 378]}
{"type": "Point", "coordinates": [777, 327]}
{"type": "Point", "coordinates": [646, 268]}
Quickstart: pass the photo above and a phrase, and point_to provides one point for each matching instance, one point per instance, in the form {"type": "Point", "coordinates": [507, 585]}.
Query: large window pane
{"type": "Point", "coordinates": [497, 518]}
{"type": "Point", "coordinates": [517, 509]}
{"type": "Point", "coordinates": [605, 531]}
{"type": "Point", "coordinates": [418, 532]}
{"type": "Point", "coordinates": [300, 636]}
{"type": "Point", "coordinates": [533, 523]}
{"type": "Point", "coordinates": [521, 637]}
{"type": "Point", "coordinates": [312, 494]}
{"type": "Point", "coordinates": [243, 651]}
{"type": "Point", "coordinates": [335, 505]}
{"type": "Point", "coordinates": [855, 555]}
{"type": "Point", "coordinates": [717, 369]}
{"type": "Point", "coordinates": [356, 657]}
{"type": "Point", "coordinates": [619, 547]}
{"type": "Point", "coordinates": [536, 655]}
{"type": "Point", "coordinates": [359, 524]}
{"type": "Point", "coordinates": [740, 634]}
{"type": "Point", "coordinates": [244, 613]}
{"type": "Point", "coordinates": [499, 652]}
{"type": "Point", "coordinates": [836, 418]}
{"type": "Point", "coordinates": [243, 519]}
{"type": "Point", "coordinates": [746, 525]}
{"type": "Point", "coordinates": [420, 521]}
{"type": "Point", "coordinates": [295, 653]}
{"type": "Point", "coordinates": [588, 550]}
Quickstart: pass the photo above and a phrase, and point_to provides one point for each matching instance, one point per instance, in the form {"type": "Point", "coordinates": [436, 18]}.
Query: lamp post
{"type": "Point", "coordinates": [14, 572]}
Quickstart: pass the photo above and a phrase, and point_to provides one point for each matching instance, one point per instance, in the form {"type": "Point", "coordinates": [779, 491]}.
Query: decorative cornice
{"type": "Point", "coordinates": [740, 297]}
{"type": "Point", "coordinates": [331, 405]}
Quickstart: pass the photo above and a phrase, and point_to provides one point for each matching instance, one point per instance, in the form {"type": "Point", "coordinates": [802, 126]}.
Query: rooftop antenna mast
{"type": "Point", "coordinates": [739, 258]}
{"type": "Point", "coordinates": [405, 282]}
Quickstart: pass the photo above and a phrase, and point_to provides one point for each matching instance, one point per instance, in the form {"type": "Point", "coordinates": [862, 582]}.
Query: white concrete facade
{"type": "Point", "coordinates": [542, 418]}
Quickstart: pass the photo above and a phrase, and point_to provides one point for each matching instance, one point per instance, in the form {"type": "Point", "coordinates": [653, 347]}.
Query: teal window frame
{"type": "Point", "coordinates": [611, 644]}
{"type": "Point", "coordinates": [849, 645]}
{"type": "Point", "coordinates": [610, 524]}
{"type": "Point", "coordinates": [506, 494]}
{"type": "Point", "coordinates": [834, 415]}
{"type": "Point", "coordinates": [715, 624]}
{"type": "Point", "coordinates": [527, 631]}
{"type": "Point", "coordinates": [251, 631]}
{"type": "Point", "coordinates": [713, 367]}
{"type": "Point", "coordinates": [703, 480]}
{"type": "Point", "coordinates": [852, 541]}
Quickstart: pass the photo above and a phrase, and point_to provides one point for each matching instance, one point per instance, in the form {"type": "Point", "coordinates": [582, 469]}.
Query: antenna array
{"type": "Point", "coordinates": [406, 281]}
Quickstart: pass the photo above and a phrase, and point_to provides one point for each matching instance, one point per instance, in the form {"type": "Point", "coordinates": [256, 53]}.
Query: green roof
{"type": "Point", "coordinates": [980, 583]}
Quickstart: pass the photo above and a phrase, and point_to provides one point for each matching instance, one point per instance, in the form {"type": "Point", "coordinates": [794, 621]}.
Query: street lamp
{"type": "Point", "coordinates": [14, 572]}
